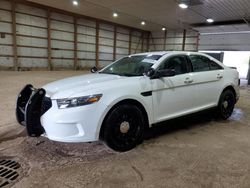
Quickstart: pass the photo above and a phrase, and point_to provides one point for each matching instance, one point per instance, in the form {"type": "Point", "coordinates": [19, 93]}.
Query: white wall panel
{"type": "Point", "coordinates": [86, 30]}
{"type": "Point", "coordinates": [62, 44]}
{"type": "Point", "coordinates": [104, 33]}
{"type": "Point", "coordinates": [30, 10]}
{"type": "Point", "coordinates": [62, 35]}
{"type": "Point", "coordinates": [5, 27]}
{"type": "Point", "coordinates": [122, 36]}
{"type": "Point", "coordinates": [86, 55]}
{"type": "Point", "coordinates": [35, 52]}
{"type": "Point", "coordinates": [86, 63]}
{"type": "Point", "coordinates": [6, 50]}
{"type": "Point", "coordinates": [122, 44]}
{"type": "Point", "coordinates": [5, 15]}
{"type": "Point", "coordinates": [30, 20]}
{"type": "Point", "coordinates": [62, 63]}
{"type": "Point", "coordinates": [105, 49]}
{"type": "Point", "coordinates": [86, 47]}
{"type": "Point", "coordinates": [86, 39]}
{"type": "Point", "coordinates": [122, 51]}
{"type": "Point", "coordinates": [104, 63]}
{"type": "Point", "coordinates": [62, 53]}
{"type": "Point", "coordinates": [104, 56]}
{"type": "Point", "coordinates": [32, 31]}
{"type": "Point", "coordinates": [33, 62]}
{"type": "Point", "coordinates": [6, 40]}
{"type": "Point", "coordinates": [62, 17]}
{"type": "Point", "coordinates": [62, 26]}
{"type": "Point", "coordinates": [104, 41]}
{"type": "Point", "coordinates": [83, 21]}
{"type": "Point", "coordinates": [27, 41]}
{"type": "Point", "coordinates": [6, 62]}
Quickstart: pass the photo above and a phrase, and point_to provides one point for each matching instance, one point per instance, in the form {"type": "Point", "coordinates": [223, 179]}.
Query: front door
{"type": "Point", "coordinates": [173, 96]}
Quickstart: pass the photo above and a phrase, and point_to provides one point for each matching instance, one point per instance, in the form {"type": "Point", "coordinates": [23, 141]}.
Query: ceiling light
{"type": "Point", "coordinates": [183, 5]}
{"type": "Point", "coordinates": [143, 23]}
{"type": "Point", "coordinates": [209, 20]}
{"type": "Point", "coordinates": [115, 14]}
{"type": "Point", "coordinates": [75, 2]}
{"type": "Point", "coordinates": [163, 29]}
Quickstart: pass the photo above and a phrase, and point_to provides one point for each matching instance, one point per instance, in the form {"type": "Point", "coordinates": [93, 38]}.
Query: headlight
{"type": "Point", "coordinates": [78, 101]}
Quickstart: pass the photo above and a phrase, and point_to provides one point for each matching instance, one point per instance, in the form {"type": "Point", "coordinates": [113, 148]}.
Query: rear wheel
{"type": "Point", "coordinates": [123, 127]}
{"type": "Point", "coordinates": [226, 104]}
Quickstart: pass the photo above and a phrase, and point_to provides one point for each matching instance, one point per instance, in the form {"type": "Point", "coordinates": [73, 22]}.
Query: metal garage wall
{"type": "Point", "coordinates": [174, 40]}
{"type": "Point", "coordinates": [39, 37]}
{"type": "Point", "coordinates": [225, 42]}
{"type": "Point", "coordinates": [6, 43]}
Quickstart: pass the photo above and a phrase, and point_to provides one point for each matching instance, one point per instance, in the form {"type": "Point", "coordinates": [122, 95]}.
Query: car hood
{"type": "Point", "coordinates": [70, 86]}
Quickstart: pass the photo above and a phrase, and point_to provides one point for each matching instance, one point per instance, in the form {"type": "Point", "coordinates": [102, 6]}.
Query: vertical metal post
{"type": "Point", "coordinates": [142, 43]}
{"type": "Point", "coordinates": [165, 40]}
{"type": "Point", "coordinates": [14, 38]}
{"type": "Point", "coordinates": [114, 45]}
{"type": "Point", "coordinates": [49, 40]}
{"type": "Point", "coordinates": [130, 42]}
{"type": "Point", "coordinates": [76, 66]}
{"type": "Point", "coordinates": [148, 41]}
{"type": "Point", "coordinates": [97, 44]}
{"type": "Point", "coordinates": [184, 39]}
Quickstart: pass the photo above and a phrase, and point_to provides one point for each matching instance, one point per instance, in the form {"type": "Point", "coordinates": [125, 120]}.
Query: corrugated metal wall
{"type": "Point", "coordinates": [225, 42]}
{"type": "Point", "coordinates": [35, 37]}
{"type": "Point", "coordinates": [45, 38]}
{"type": "Point", "coordinates": [174, 40]}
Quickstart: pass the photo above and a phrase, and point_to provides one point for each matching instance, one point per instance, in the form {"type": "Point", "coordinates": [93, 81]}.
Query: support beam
{"type": "Point", "coordinates": [197, 42]}
{"type": "Point", "coordinates": [76, 66]}
{"type": "Point", "coordinates": [248, 74]}
{"type": "Point", "coordinates": [165, 40]}
{"type": "Point", "coordinates": [130, 42]}
{"type": "Point", "coordinates": [97, 44]}
{"type": "Point", "coordinates": [148, 41]}
{"type": "Point", "coordinates": [114, 45]}
{"type": "Point", "coordinates": [14, 38]}
{"type": "Point", "coordinates": [142, 42]}
{"type": "Point", "coordinates": [184, 39]}
{"type": "Point", "coordinates": [153, 42]}
{"type": "Point", "coordinates": [49, 40]}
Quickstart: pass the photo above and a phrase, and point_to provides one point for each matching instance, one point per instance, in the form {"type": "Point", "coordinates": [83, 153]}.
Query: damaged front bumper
{"type": "Point", "coordinates": [30, 106]}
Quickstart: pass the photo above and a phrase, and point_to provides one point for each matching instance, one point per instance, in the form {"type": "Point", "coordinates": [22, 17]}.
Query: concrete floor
{"type": "Point", "coordinates": [195, 151]}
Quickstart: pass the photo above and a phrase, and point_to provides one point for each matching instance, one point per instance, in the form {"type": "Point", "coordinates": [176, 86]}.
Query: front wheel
{"type": "Point", "coordinates": [226, 104]}
{"type": "Point", "coordinates": [123, 127]}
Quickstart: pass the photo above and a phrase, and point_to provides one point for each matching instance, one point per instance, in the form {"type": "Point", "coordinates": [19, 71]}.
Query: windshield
{"type": "Point", "coordinates": [132, 65]}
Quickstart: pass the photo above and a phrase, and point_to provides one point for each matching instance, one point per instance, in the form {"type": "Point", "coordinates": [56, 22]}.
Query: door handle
{"type": "Point", "coordinates": [219, 76]}
{"type": "Point", "coordinates": [188, 81]}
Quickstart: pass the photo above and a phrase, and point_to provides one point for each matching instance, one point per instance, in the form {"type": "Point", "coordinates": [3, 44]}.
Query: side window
{"type": "Point", "coordinates": [178, 63]}
{"type": "Point", "coordinates": [200, 63]}
{"type": "Point", "coordinates": [214, 66]}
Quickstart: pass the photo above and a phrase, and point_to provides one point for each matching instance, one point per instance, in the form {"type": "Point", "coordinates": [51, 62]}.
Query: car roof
{"type": "Point", "coordinates": [166, 52]}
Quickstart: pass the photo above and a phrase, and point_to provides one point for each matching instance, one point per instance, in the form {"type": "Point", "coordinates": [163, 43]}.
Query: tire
{"type": "Point", "coordinates": [226, 104]}
{"type": "Point", "coordinates": [123, 127]}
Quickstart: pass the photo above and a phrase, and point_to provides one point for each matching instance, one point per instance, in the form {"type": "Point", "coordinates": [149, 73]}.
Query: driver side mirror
{"type": "Point", "coordinates": [163, 73]}
{"type": "Point", "coordinates": [93, 69]}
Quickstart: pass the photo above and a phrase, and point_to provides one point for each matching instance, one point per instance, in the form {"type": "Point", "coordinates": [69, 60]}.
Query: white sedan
{"type": "Point", "coordinates": [118, 102]}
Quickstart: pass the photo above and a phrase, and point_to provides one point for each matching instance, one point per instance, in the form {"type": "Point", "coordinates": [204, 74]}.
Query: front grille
{"type": "Point", "coordinates": [46, 105]}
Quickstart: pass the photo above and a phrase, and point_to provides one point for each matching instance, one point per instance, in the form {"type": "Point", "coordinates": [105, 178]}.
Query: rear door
{"type": "Point", "coordinates": [208, 79]}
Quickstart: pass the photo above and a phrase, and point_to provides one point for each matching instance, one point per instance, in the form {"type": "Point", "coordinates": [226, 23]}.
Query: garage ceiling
{"type": "Point", "coordinates": [157, 13]}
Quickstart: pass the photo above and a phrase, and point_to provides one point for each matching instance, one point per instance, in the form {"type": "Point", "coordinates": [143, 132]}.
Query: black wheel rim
{"type": "Point", "coordinates": [134, 132]}
{"type": "Point", "coordinates": [227, 106]}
